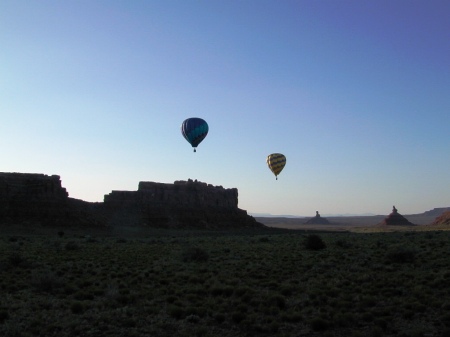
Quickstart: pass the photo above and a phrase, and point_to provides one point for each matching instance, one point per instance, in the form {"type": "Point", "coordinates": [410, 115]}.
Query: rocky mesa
{"type": "Point", "coordinates": [41, 199]}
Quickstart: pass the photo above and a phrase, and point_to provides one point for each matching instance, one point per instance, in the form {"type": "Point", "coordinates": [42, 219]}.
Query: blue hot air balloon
{"type": "Point", "coordinates": [194, 130]}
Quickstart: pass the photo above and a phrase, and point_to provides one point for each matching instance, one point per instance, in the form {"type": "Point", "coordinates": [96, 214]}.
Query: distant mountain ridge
{"type": "Point", "coordinates": [437, 211]}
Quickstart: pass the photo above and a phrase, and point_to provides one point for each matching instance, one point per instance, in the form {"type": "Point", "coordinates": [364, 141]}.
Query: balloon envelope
{"type": "Point", "coordinates": [194, 130]}
{"type": "Point", "coordinates": [276, 162]}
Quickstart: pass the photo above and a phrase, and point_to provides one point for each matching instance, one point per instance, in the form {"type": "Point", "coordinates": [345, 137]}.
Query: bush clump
{"type": "Point", "coordinates": [195, 254]}
{"type": "Point", "coordinates": [72, 245]}
{"type": "Point", "coordinates": [15, 259]}
{"type": "Point", "coordinates": [319, 324]}
{"type": "Point", "coordinates": [46, 282]}
{"type": "Point", "coordinates": [314, 242]}
{"type": "Point", "coordinates": [344, 244]}
{"type": "Point", "coordinates": [77, 308]}
{"type": "Point", "coordinates": [401, 254]}
{"type": "Point", "coordinates": [175, 312]}
{"type": "Point", "coordinates": [4, 315]}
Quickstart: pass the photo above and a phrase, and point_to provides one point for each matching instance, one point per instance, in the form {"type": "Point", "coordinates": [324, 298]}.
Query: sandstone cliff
{"type": "Point", "coordinates": [182, 204]}
{"type": "Point", "coordinates": [443, 219]}
{"type": "Point", "coordinates": [33, 198]}
{"type": "Point", "coordinates": [40, 199]}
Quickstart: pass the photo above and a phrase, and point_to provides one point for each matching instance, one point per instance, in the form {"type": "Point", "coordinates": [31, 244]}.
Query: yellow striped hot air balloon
{"type": "Point", "coordinates": [276, 162]}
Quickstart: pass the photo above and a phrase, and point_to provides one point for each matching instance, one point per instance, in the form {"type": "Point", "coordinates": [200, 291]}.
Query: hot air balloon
{"type": "Point", "coordinates": [194, 130]}
{"type": "Point", "coordinates": [276, 162]}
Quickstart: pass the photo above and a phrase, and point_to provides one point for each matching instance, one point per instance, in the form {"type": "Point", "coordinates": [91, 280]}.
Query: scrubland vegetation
{"type": "Point", "coordinates": [185, 283]}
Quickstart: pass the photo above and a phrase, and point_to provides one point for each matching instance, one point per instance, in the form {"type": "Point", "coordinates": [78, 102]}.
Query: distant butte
{"type": "Point", "coordinates": [396, 219]}
{"type": "Point", "coordinates": [317, 220]}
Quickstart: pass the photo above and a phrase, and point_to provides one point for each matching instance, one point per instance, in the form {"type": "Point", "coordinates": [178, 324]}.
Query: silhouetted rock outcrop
{"type": "Point", "coordinates": [317, 220]}
{"type": "Point", "coordinates": [40, 199]}
{"type": "Point", "coordinates": [395, 219]}
{"type": "Point", "coordinates": [443, 219]}
{"type": "Point", "coordinates": [31, 196]}
{"type": "Point", "coordinates": [182, 204]}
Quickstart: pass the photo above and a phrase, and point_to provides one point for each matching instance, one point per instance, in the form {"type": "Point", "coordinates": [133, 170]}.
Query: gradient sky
{"type": "Point", "coordinates": [356, 95]}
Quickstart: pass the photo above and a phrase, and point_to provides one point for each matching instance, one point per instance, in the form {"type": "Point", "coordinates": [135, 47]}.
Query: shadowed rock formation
{"type": "Point", "coordinates": [40, 199]}
{"type": "Point", "coordinates": [317, 220]}
{"type": "Point", "coordinates": [32, 196]}
{"type": "Point", "coordinates": [396, 219]}
{"type": "Point", "coordinates": [182, 204]}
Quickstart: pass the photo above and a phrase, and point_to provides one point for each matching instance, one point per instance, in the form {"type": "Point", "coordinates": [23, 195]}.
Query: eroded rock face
{"type": "Point", "coordinates": [40, 199]}
{"type": "Point", "coordinates": [32, 196]}
{"type": "Point", "coordinates": [182, 204]}
{"type": "Point", "coordinates": [443, 219]}
{"type": "Point", "coordinates": [191, 194]}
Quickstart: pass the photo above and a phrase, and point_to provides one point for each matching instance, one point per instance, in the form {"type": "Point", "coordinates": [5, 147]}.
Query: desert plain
{"type": "Point", "coordinates": [346, 280]}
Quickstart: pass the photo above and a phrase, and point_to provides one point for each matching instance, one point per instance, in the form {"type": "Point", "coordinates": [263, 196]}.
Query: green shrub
{"type": "Point", "coordinates": [4, 315]}
{"type": "Point", "coordinates": [314, 242]}
{"type": "Point", "coordinates": [171, 299]}
{"type": "Point", "coordinates": [344, 319]}
{"type": "Point", "coordinates": [46, 281]}
{"type": "Point", "coordinates": [341, 243]}
{"type": "Point", "coordinates": [77, 307]}
{"type": "Point", "coordinates": [292, 317]}
{"type": "Point", "coordinates": [445, 333]}
{"type": "Point", "coordinates": [72, 245]}
{"type": "Point", "coordinates": [287, 290]}
{"type": "Point", "coordinates": [175, 312]}
{"type": "Point", "coordinates": [278, 301]}
{"type": "Point", "coordinates": [319, 324]}
{"type": "Point", "coordinates": [194, 254]}
{"type": "Point", "coordinates": [381, 322]}
{"type": "Point", "coordinates": [192, 319]}
{"type": "Point", "coordinates": [15, 259]}
{"type": "Point", "coordinates": [238, 317]}
{"type": "Point", "coordinates": [401, 254]}
{"type": "Point", "coordinates": [445, 319]}
{"type": "Point", "coordinates": [225, 291]}
{"type": "Point", "coordinates": [376, 332]}
{"type": "Point", "coordinates": [220, 318]}
{"type": "Point", "coordinates": [241, 291]}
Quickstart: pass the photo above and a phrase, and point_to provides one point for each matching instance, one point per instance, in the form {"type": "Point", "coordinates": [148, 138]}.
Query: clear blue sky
{"type": "Point", "coordinates": [356, 95]}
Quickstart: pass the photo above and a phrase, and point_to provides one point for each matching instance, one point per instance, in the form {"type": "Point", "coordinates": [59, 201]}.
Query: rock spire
{"type": "Point", "coordinates": [396, 219]}
{"type": "Point", "coordinates": [317, 220]}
